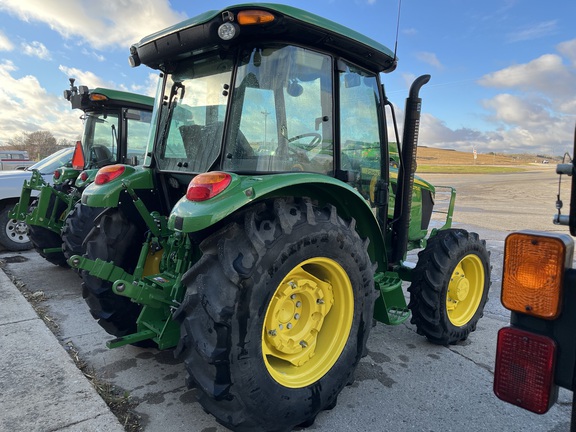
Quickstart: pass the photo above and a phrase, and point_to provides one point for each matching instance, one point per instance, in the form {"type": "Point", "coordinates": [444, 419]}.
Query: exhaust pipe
{"type": "Point", "coordinates": [406, 171]}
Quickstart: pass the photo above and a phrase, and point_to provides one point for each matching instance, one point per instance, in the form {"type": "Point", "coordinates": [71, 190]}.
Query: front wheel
{"type": "Point", "coordinates": [450, 286]}
{"type": "Point", "coordinates": [276, 315]}
{"type": "Point", "coordinates": [13, 233]}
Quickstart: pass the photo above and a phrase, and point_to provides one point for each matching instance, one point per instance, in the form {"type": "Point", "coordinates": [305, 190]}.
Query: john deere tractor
{"type": "Point", "coordinates": [116, 126]}
{"type": "Point", "coordinates": [271, 227]}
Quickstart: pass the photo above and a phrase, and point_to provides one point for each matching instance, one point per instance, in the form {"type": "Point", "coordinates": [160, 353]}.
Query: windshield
{"type": "Point", "coordinates": [56, 160]}
{"type": "Point", "coordinates": [100, 138]}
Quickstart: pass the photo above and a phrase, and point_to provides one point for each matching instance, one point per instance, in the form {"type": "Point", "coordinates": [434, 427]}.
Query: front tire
{"type": "Point", "coordinates": [450, 286]}
{"type": "Point", "coordinates": [276, 315]}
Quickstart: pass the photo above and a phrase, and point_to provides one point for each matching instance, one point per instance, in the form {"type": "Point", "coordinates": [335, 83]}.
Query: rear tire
{"type": "Point", "coordinates": [450, 286]}
{"type": "Point", "coordinates": [114, 238]}
{"type": "Point", "coordinates": [276, 315]}
{"type": "Point", "coordinates": [77, 226]}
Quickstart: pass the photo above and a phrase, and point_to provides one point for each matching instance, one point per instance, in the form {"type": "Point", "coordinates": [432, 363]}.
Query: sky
{"type": "Point", "coordinates": [503, 71]}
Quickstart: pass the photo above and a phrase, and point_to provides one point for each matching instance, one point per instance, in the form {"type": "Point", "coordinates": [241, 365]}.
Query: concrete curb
{"type": "Point", "coordinates": [41, 387]}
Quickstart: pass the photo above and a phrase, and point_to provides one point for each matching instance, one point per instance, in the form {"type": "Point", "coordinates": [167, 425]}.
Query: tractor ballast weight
{"type": "Point", "coordinates": [257, 237]}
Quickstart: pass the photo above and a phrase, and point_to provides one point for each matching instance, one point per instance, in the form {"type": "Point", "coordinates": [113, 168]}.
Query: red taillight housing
{"type": "Point", "coordinates": [207, 185]}
{"type": "Point", "coordinates": [57, 174]}
{"type": "Point", "coordinates": [524, 370]}
{"type": "Point", "coordinates": [83, 176]}
{"type": "Point", "coordinates": [109, 173]}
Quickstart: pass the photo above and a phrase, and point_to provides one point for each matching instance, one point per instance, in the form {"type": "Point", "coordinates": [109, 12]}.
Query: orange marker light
{"type": "Point", "coordinates": [207, 185]}
{"type": "Point", "coordinates": [533, 274]}
{"type": "Point", "coordinates": [98, 97]}
{"type": "Point", "coordinates": [254, 17]}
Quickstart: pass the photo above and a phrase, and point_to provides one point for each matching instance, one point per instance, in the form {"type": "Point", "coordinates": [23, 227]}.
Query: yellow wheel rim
{"type": "Point", "coordinates": [465, 290]}
{"type": "Point", "coordinates": [307, 322]}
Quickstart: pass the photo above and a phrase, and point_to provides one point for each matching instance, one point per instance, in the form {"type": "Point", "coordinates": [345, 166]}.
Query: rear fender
{"type": "Point", "coordinates": [191, 217]}
{"type": "Point", "coordinates": [108, 194]}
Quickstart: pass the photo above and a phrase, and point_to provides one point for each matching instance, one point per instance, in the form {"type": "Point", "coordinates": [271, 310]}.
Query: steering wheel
{"type": "Point", "coordinates": [314, 142]}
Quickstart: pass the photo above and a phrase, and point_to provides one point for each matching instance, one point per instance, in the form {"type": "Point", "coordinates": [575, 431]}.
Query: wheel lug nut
{"type": "Point", "coordinates": [297, 316]}
{"type": "Point", "coordinates": [320, 301]}
{"type": "Point", "coordinates": [293, 296]}
{"type": "Point", "coordinates": [272, 332]}
{"type": "Point", "coordinates": [289, 326]}
{"type": "Point", "coordinates": [292, 284]}
{"type": "Point", "coordinates": [298, 303]}
{"type": "Point", "coordinates": [303, 344]}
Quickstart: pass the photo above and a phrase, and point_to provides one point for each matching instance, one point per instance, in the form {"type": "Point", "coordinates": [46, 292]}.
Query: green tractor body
{"type": "Point", "coordinates": [271, 220]}
{"type": "Point", "coordinates": [116, 126]}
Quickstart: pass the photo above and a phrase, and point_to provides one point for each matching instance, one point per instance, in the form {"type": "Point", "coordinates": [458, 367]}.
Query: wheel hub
{"type": "Point", "coordinates": [17, 231]}
{"type": "Point", "coordinates": [307, 322]}
{"type": "Point", "coordinates": [296, 315]}
{"type": "Point", "coordinates": [465, 290]}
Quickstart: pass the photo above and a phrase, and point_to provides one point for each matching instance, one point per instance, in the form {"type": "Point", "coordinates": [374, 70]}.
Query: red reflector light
{"type": "Point", "coordinates": [83, 176]}
{"type": "Point", "coordinates": [57, 174]}
{"type": "Point", "coordinates": [109, 173]}
{"type": "Point", "coordinates": [207, 185]}
{"type": "Point", "coordinates": [524, 370]}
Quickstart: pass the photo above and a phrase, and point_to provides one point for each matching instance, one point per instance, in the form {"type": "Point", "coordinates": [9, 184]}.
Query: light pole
{"type": "Point", "coordinates": [265, 113]}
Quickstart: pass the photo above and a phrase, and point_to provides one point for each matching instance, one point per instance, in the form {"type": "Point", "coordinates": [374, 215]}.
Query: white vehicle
{"type": "Point", "coordinates": [14, 160]}
{"type": "Point", "coordinates": [14, 233]}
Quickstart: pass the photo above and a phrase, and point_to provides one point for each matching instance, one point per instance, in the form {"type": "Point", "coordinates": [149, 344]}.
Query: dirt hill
{"type": "Point", "coordinates": [433, 156]}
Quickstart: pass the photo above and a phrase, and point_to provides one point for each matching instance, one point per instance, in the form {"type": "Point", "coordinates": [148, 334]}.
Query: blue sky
{"type": "Point", "coordinates": [503, 71]}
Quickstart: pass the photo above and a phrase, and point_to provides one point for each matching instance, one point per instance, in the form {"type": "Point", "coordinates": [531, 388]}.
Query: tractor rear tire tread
{"type": "Point", "coordinates": [219, 326]}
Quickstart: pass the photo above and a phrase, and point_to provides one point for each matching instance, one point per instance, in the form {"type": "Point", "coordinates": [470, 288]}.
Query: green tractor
{"type": "Point", "coordinates": [116, 127]}
{"type": "Point", "coordinates": [272, 225]}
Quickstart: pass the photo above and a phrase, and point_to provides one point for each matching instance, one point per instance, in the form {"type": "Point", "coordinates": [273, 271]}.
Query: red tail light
{"type": "Point", "coordinates": [57, 174]}
{"type": "Point", "coordinates": [83, 176]}
{"type": "Point", "coordinates": [524, 371]}
{"type": "Point", "coordinates": [207, 185]}
{"type": "Point", "coordinates": [109, 173]}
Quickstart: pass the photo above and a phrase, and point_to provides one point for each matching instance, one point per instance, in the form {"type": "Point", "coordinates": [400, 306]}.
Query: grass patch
{"type": "Point", "coordinates": [467, 169]}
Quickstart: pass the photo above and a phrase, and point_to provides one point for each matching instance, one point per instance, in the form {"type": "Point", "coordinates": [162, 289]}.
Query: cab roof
{"type": "Point", "coordinates": [293, 25]}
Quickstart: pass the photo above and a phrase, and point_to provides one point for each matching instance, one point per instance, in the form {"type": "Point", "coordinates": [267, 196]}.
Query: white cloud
{"type": "Point", "coordinates": [546, 74]}
{"type": "Point", "coordinates": [568, 49]}
{"type": "Point", "coordinates": [149, 87]}
{"type": "Point", "coordinates": [87, 78]}
{"type": "Point", "coordinates": [100, 23]}
{"type": "Point", "coordinates": [534, 31]}
{"type": "Point", "coordinates": [36, 49]}
{"type": "Point", "coordinates": [93, 54]}
{"type": "Point", "coordinates": [5, 44]}
{"type": "Point", "coordinates": [28, 107]}
{"type": "Point", "coordinates": [429, 58]}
